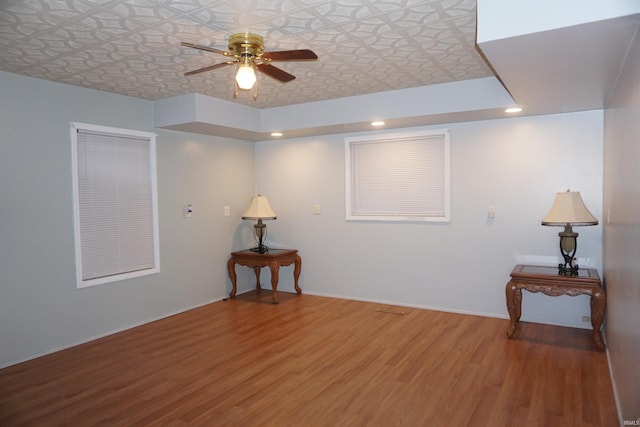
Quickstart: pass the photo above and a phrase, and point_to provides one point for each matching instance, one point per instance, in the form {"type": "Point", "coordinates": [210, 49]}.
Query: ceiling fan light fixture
{"type": "Point", "coordinates": [246, 75]}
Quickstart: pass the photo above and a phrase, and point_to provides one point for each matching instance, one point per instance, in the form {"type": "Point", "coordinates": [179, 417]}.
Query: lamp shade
{"type": "Point", "coordinates": [259, 208]}
{"type": "Point", "coordinates": [568, 208]}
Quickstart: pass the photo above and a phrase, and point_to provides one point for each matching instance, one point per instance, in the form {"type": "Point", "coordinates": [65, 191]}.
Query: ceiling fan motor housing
{"type": "Point", "coordinates": [246, 44]}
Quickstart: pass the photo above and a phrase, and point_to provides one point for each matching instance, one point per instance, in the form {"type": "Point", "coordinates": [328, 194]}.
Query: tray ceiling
{"type": "Point", "coordinates": [132, 47]}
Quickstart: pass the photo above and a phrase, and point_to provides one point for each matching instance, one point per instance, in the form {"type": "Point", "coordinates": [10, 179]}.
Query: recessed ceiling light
{"type": "Point", "coordinates": [276, 133]}
{"type": "Point", "coordinates": [513, 110]}
{"type": "Point", "coordinates": [377, 123]}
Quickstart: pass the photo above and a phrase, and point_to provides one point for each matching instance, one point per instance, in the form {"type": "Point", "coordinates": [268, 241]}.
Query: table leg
{"type": "Point", "coordinates": [296, 273]}
{"type": "Point", "coordinates": [275, 276]}
{"type": "Point", "coordinates": [257, 271]}
{"type": "Point", "coordinates": [231, 266]}
{"type": "Point", "coordinates": [598, 307]}
{"type": "Point", "coordinates": [514, 306]}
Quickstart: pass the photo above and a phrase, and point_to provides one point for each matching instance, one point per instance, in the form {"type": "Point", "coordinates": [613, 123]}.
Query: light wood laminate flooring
{"type": "Point", "coordinates": [315, 361]}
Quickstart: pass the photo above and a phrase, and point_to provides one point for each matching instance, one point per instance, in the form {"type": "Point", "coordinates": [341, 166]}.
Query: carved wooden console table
{"type": "Point", "coordinates": [548, 281]}
{"type": "Point", "coordinates": [273, 259]}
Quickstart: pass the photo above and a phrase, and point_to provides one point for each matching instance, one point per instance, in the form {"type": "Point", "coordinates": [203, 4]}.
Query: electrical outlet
{"type": "Point", "coordinates": [227, 211]}
{"type": "Point", "coordinates": [586, 319]}
{"type": "Point", "coordinates": [315, 209]}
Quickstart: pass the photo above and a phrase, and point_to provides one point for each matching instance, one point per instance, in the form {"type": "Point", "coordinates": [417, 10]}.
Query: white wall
{"type": "Point", "coordinates": [40, 308]}
{"type": "Point", "coordinates": [503, 19]}
{"type": "Point", "coordinates": [516, 165]}
{"type": "Point", "coordinates": [622, 234]}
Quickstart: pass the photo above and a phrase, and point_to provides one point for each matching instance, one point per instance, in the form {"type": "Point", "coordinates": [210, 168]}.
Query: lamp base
{"type": "Point", "coordinates": [261, 249]}
{"type": "Point", "coordinates": [568, 270]}
{"type": "Point", "coordinates": [568, 247]}
{"type": "Point", "coordinates": [260, 230]}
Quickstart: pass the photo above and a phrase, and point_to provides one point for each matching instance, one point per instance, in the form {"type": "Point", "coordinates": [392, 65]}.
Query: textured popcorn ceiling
{"type": "Point", "coordinates": [132, 47]}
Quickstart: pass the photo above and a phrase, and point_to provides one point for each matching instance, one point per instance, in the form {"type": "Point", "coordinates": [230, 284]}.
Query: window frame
{"type": "Point", "coordinates": [350, 212]}
{"type": "Point", "coordinates": [153, 189]}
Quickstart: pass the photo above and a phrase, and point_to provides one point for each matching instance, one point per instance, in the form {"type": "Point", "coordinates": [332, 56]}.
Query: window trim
{"type": "Point", "coordinates": [390, 138]}
{"type": "Point", "coordinates": [151, 137]}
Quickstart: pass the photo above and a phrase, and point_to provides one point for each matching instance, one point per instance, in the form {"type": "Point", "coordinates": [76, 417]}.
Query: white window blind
{"type": "Point", "coordinates": [398, 178]}
{"type": "Point", "coordinates": [114, 203]}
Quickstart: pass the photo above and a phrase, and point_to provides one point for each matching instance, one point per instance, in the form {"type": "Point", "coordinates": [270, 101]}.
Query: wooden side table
{"type": "Point", "coordinates": [548, 281]}
{"type": "Point", "coordinates": [273, 259]}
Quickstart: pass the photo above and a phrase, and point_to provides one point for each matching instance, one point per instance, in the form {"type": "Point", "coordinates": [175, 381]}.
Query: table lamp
{"type": "Point", "coordinates": [568, 210]}
{"type": "Point", "coordinates": [259, 209]}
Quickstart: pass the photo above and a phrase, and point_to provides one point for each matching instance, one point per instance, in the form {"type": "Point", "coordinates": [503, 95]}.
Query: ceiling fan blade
{"type": "Point", "coordinates": [275, 72]}
{"type": "Point", "coordinates": [209, 68]}
{"type": "Point", "coordinates": [291, 55]}
{"type": "Point", "coordinates": [207, 48]}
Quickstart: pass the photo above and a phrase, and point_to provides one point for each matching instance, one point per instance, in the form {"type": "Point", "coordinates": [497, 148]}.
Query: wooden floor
{"type": "Point", "coordinates": [313, 361]}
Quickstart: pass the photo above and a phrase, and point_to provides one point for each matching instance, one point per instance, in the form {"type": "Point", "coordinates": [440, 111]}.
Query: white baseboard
{"type": "Point", "coordinates": [399, 304]}
{"type": "Point", "coordinates": [616, 397]}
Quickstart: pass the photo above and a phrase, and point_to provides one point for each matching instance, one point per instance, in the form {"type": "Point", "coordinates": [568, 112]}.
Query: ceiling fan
{"type": "Point", "coordinates": [247, 50]}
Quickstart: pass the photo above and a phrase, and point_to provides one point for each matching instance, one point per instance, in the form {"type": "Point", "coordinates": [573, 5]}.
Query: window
{"type": "Point", "coordinates": [401, 177]}
{"type": "Point", "coordinates": [115, 204]}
